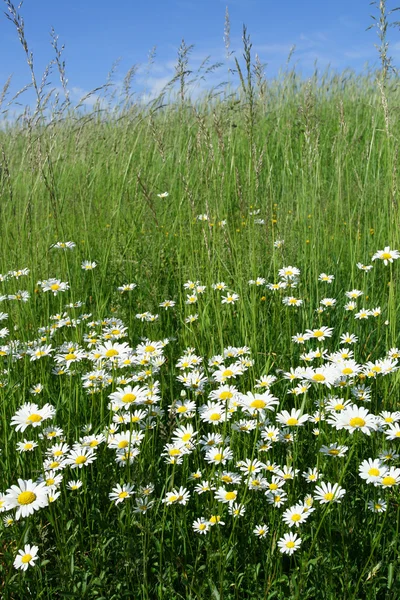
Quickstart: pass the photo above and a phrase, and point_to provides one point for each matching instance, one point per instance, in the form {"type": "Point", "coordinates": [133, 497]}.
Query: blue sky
{"type": "Point", "coordinates": [96, 33]}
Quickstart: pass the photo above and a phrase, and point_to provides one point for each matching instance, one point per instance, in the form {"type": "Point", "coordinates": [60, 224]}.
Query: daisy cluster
{"type": "Point", "coordinates": [227, 434]}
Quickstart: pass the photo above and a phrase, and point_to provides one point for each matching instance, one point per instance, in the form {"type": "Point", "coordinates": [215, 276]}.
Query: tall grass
{"type": "Point", "coordinates": [312, 162]}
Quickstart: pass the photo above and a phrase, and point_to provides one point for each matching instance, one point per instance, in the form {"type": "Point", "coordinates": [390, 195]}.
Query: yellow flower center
{"type": "Point", "coordinates": [28, 446]}
{"type": "Point", "coordinates": [388, 480]}
{"type": "Point", "coordinates": [318, 333]}
{"type": "Point", "coordinates": [55, 287]}
{"type": "Point", "coordinates": [50, 482]}
{"type": "Point", "coordinates": [227, 373]}
{"type": "Point", "coordinates": [258, 403]}
{"type": "Point", "coordinates": [273, 486]}
{"type": "Point", "coordinates": [174, 452]}
{"type": "Point", "coordinates": [70, 356]}
{"type": "Point", "coordinates": [290, 544]}
{"type": "Point", "coordinates": [34, 418]}
{"type": "Point", "coordinates": [357, 422]}
{"type": "Point", "coordinates": [122, 494]}
{"type": "Point", "coordinates": [292, 421]}
{"type": "Point", "coordinates": [202, 526]}
{"type": "Point", "coordinates": [333, 451]}
{"type": "Point", "coordinates": [329, 496]}
{"type": "Point", "coordinates": [186, 437]}
{"type": "Point", "coordinates": [386, 256]}
{"type": "Point", "coordinates": [230, 496]}
{"type": "Point", "coordinates": [149, 348]}
{"type": "Point", "coordinates": [347, 371]}
{"type": "Point", "coordinates": [26, 558]}
{"type": "Point", "coordinates": [226, 479]}
{"type": "Point", "coordinates": [80, 459]}
{"type": "Point", "coordinates": [296, 517]}
{"type": "Point", "coordinates": [318, 377]}
{"type": "Point", "coordinates": [373, 472]}
{"type": "Point", "coordinates": [126, 398]}
{"type": "Point", "coordinates": [215, 417]}
{"type": "Point", "coordinates": [26, 498]}
{"type": "Point", "coordinates": [226, 395]}
{"type": "Point", "coordinates": [111, 352]}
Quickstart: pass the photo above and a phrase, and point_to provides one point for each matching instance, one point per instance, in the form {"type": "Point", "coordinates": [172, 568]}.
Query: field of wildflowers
{"type": "Point", "coordinates": [199, 347]}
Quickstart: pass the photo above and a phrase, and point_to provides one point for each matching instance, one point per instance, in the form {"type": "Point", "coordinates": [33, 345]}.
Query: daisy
{"type": "Point", "coordinates": [353, 294]}
{"type": "Point", "coordinates": [54, 285]}
{"type": "Point", "coordinates": [220, 286]}
{"type": "Point", "coordinates": [225, 496]}
{"type": "Point", "coordinates": [64, 245]}
{"type": "Point", "coordinates": [364, 313]}
{"type": "Point", "coordinates": [365, 268]}
{"type": "Point", "coordinates": [88, 266]}
{"type": "Point", "coordinates": [277, 499]}
{"type": "Point", "coordinates": [387, 255]}
{"type": "Point", "coordinates": [26, 446]}
{"type": "Point", "coordinates": [289, 273]}
{"type": "Point", "coordinates": [292, 419]}
{"type": "Point", "coordinates": [124, 397]}
{"type": "Point", "coordinates": [167, 304]}
{"type": "Point", "coordinates": [295, 515]}
{"type": "Point", "coordinates": [80, 457]}
{"type": "Point", "coordinates": [292, 301]}
{"type": "Point", "coordinates": [348, 338]}
{"type": "Point", "coordinates": [236, 509]}
{"type": "Point", "coordinates": [26, 497]}
{"type": "Point", "coordinates": [215, 520]}
{"type": "Point", "coordinates": [204, 486]}
{"type": "Point", "coordinates": [256, 403]}
{"type": "Point", "coordinates": [230, 298]}
{"type": "Point", "coordinates": [201, 526]}
{"type": "Point", "coordinates": [311, 475]}
{"type": "Point", "coordinates": [218, 456]}
{"type": "Point", "coordinates": [327, 492]}
{"type": "Point", "coordinates": [126, 287]}
{"type": "Point", "coordinates": [214, 413]}
{"type": "Point", "coordinates": [379, 506]}
{"type": "Point", "coordinates": [289, 543]}
{"type": "Point", "coordinates": [74, 485]}
{"type": "Point", "coordinates": [372, 470]}
{"type": "Point", "coordinates": [121, 493]}
{"type": "Point", "coordinates": [184, 435]}
{"type": "Point", "coordinates": [26, 557]}
{"type": "Point", "coordinates": [390, 478]}
{"type": "Point", "coordinates": [261, 531]}
{"type": "Point", "coordinates": [51, 479]}
{"type": "Point", "coordinates": [31, 414]}
{"type": "Point", "coordinates": [180, 496]}
{"type": "Point", "coordinates": [36, 389]}
{"type": "Point", "coordinates": [393, 432]}
{"type": "Point", "coordinates": [355, 418]}
{"type": "Point", "coordinates": [273, 487]}
{"type": "Point", "coordinates": [192, 318]}
{"type": "Point", "coordinates": [326, 278]}
{"type": "Point", "coordinates": [143, 505]}
{"type": "Point", "coordinates": [334, 450]}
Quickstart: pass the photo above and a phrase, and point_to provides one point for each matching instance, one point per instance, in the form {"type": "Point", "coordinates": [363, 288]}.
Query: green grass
{"type": "Point", "coordinates": [317, 161]}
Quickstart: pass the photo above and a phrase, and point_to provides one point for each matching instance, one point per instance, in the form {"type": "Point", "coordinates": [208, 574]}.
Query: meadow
{"type": "Point", "coordinates": [199, 378]}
